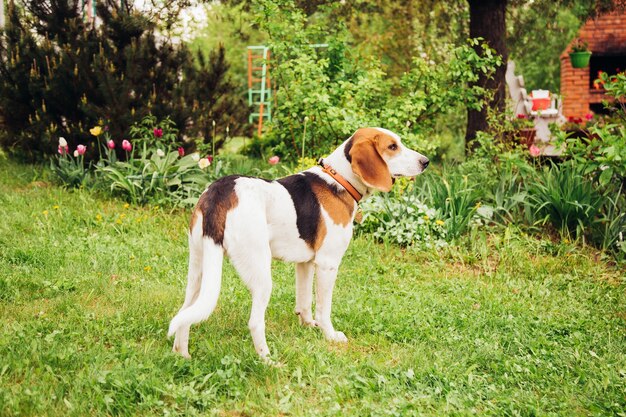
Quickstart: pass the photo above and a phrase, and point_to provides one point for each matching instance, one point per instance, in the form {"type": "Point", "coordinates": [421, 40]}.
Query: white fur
{"type": "Point", "coordinates": [263, 226]}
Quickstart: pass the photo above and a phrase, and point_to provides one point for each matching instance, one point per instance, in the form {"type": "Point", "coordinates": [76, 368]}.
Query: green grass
{"type": "Point", "coordinates": [504, 324]}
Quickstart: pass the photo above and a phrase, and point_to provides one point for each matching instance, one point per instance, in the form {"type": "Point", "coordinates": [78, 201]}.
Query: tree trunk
{"type": "Point", "coordinates": [488, 21]}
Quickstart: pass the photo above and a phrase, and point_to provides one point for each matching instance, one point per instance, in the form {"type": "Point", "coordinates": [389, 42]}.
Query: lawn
{"type": "Point", "coordinates": [501, 324]}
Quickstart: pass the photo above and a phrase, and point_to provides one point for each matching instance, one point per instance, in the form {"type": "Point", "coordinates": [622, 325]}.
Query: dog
{"type": "Point", "coordinates": [304, 218]}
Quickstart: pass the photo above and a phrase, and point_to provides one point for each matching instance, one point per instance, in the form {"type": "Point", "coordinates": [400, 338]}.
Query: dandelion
{"type": "Point", "coordinates": [111, 144]}
{"type": "Point", "coordinates": [45, 212]}
{"type": "Point", "coordinates": [425, 217]}
{"type": "Point", "coordinates": [126, 205]}
{"type": "Point", "coordinates": [440, 222]}
{"type": "Point", "coordinates": [158, 132]}
{"type": "Point", "coordinates": [118, 221]}
{"type": "Point", "coordinates": [98, 217]}
{"type": "Point", "coordinates": [274, 160]}
{"type": "Point", "coordinates": [126, 145]}
{"type": "Point", "coordinates": [203, 163]}
{"type": "Point", "coordinates": [81, 149]}
{"type": "Point", "coordinates": [96, 131]}
{"type": "Point", "coordinates": [160, 153]}
{"type": "Point", "coordinates": [147, 268]}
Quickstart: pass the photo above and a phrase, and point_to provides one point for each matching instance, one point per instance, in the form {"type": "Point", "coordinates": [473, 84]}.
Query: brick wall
{"type": "Point", "coordinates": [605, 35]}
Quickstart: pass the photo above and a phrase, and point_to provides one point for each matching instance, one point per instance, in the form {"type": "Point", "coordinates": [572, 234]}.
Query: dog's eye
{"type": "Point", "coordinates": [393, 147]}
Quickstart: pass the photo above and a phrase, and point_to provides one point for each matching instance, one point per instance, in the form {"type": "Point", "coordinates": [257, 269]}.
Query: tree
{"type": "Point", "coordinates": [60, 76]}
{"type": "Point", "coordinates": [488, 21]}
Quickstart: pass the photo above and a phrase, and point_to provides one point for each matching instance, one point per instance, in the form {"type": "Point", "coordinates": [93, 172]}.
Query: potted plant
{"type": "Point", "coordinates": [580, 54]}
{"type": "Point", "coordinates": [524, 129]}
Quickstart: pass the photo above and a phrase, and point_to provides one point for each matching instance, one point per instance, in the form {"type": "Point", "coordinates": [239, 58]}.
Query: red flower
{"type": "Point", "coordinates": [521, 116]}
{"type": "Point", "coordinates": [81, 149]}
{"type": "Point", "coordinates": [158, 132]}
{"type": "Point", "coordinates": [126, 145]}
{"type": "Point", "coordinates": [181, 151]}
{"type": "Point", "coordinates": [111, 144]}
{"type": "Point", "coordinates": [210, 158]}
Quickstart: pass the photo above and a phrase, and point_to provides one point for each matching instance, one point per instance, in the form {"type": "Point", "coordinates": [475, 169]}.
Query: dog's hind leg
{"type": "Point", "coordinates": [254, 264]}
{"type": "Point", "coordinates": [304, 293]}
{"type": "Point", "coordinates": [206, 300]}
{"type": "Point", "coordinates": [194, 276]}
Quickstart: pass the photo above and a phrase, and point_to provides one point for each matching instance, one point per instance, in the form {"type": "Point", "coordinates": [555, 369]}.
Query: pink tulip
{"type": "Point", "coordinates": [273, 160]}
{"type": "Point", "coordinates": [63, 150]}
{"type": "Point", "coordinates": [126, 145]}
{"type": "Point", "coordinates": [158, 132]}
{"type": "Point", "coordinates": [81, 149]}
{"type": "Point", "coordinates": [111, 144]}
{"type": "Point", "coordinates": [181, 151]}
{"type": "Point", "coordinates": [534, 150]}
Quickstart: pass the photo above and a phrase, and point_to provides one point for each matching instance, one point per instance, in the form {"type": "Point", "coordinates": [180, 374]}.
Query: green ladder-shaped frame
{"type": "Point", "coordinates": [259, 86]}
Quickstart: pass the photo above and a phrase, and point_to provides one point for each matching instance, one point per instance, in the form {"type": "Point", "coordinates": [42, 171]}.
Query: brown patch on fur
{"type": "Point", "coordinates": [367, 162]}
{"type": "Point", "coordinates": [321, 234]}
{"type": "Point", "coordinates": [194, 218]}
{"type": "Point", "coordinates": [338, 204]}
{"type": "Point", "coordinates": [214, 204]}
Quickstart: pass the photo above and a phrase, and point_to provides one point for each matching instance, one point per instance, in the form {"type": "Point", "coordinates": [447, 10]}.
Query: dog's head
{"type": "Point", "coordinates": [378, 156]}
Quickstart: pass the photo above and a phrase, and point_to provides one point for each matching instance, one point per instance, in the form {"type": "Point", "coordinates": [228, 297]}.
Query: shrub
{"type": "Point", "coordinates": [340, 91]}
{"type": "Point", "coordinates": [60, 75]}
{"type": "Point", "coordinates": [403, 220]}
{"type": "Point", "coordinates": [564, 197]}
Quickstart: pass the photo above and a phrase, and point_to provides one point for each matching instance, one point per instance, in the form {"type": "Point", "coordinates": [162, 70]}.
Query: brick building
{"type": "Point", "coordinates": [606, 37]}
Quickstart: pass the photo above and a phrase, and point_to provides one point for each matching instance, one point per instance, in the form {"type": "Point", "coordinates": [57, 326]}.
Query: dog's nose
{"type": "Point", "coordinates": [425, 162]}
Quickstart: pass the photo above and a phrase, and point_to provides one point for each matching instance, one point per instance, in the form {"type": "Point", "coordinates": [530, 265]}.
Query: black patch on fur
{"type": "Point", "coordinates": [347, 149]}
{"type": "Point", "coordinates": [215, 204]}
{"type": "Point", "coordinates": [308, 211]}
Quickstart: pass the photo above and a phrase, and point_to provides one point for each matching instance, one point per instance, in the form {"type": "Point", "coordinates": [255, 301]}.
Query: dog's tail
{"type": "Point", "coordinates": [201, 309]}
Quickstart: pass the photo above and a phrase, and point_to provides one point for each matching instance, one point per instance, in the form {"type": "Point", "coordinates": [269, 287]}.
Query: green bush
{"type": "Point", "coordinates": [339, 91]}
{"type": "Point", "coordinates": [565, 198]}
{"type": "Point", "coordinates": [59, 76]}
{"type": "Point", "coordinates": [403, 220]}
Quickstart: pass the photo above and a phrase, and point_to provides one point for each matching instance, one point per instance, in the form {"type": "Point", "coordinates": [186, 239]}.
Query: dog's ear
{"type": "Point", "coordinates": [369, 165]}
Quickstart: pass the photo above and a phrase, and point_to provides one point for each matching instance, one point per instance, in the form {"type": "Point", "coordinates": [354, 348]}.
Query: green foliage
{"type": "Point", "coordinates": [70, 170]}
{"type": "Point", "coordinates": [563, 196]}
{"type": "Point", "coordinates": [59, 76]}
{"type": "Point", "coordinates": [402, 220]}
{"type": "Point", "coordinates": [339, 91]}
{"type": "Point", "coordinates": [538, 33]}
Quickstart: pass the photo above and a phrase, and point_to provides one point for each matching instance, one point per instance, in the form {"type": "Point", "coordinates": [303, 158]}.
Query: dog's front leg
{"type": "Point", "coordinates": [304, 293]}
{"type": "Point", "coordinates": [326, 276]}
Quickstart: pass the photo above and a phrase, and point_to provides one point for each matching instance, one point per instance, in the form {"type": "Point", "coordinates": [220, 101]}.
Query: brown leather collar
{"type": "Point", "coordinates": [341, 180]}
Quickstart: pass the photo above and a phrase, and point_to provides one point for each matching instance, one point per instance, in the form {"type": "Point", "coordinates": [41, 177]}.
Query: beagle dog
{"type": "Point", "coordinates": [304, 218]}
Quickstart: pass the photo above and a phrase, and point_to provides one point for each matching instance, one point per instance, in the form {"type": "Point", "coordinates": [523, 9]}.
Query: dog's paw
{"type": "Point", "coordinates": [337, 336]}
{"type": "Point", "coordinates": [307, 322]}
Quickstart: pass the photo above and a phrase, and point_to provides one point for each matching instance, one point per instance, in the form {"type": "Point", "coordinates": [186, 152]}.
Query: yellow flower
{"type": "Point", "coordinates": [440, 222]}
{"type": "Point", "coordinates": [122, 215]}
{"type": "Point", "coordinates": [126, 205]}
{"type": "Point", "coordinates": [96, 131]}
{"type": "Point", "coordinates": [118, 221]}
{"type": "Point", "coordinates": [147, 268]}
{"type": "Point", "coordinates": [566, 241]}
{"type": "Point", "coordinates": [55, 207]}
{"type": "Point", "coordinates": [45, 212]}
{"type": "Point", "coordinates": [98, 217]}
{"type": "Point", "coordinates": [426, 218]}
